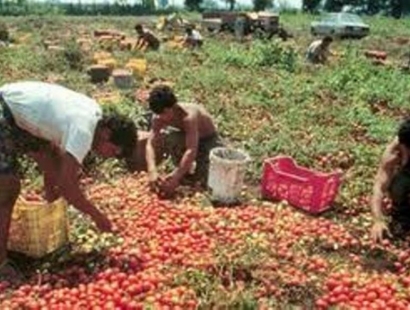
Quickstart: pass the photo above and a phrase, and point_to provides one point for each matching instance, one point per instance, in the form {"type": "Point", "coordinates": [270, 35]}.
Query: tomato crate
{"type": "Point", "coordinates": [38, 228]}
{"type": "Point", "coordinates": [303, 188]}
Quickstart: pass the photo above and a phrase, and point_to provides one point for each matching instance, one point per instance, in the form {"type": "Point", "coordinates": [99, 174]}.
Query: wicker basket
{"type": "Point", "coordinates": [38, 228]}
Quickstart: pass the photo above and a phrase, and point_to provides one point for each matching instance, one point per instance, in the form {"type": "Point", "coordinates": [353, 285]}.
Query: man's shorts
{"type": "Point", "coordinates": [399, 192]}
{"type": "Point", "coordinates": [174, 146]}
{"type": "Point", "coordinates": [14, 142]}
{"type": "Point", "coordinates": [8, 157]}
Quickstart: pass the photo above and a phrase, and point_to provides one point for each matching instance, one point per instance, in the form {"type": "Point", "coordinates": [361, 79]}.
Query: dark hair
{"type": "Point", "coordinates": [328, 39]}
{"type": "Point", "coordinates": [189, 29]}
{"type": "Point", "coordinates": [138, 27]}
{"type": "Point", "coordinates": [161, 97]}
{"type": "Point", "coordinates": [404, 133]}
{"type": "Point", "coordinates": [123, 132]}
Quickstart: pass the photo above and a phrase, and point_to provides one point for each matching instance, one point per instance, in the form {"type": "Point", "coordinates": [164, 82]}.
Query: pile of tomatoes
{"type": "Point", "coordinates": [185, 253]}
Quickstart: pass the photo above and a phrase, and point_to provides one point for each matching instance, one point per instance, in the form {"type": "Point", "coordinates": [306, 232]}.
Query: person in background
{"type": "Point", "coordinates": [188, 134]}
{"type": "Point", "coordinates": [192, 38]}
{"type": "Point", "coordinates": [393, 179]}
{"type": "Point", "coordinates": [318, 51]}
{"type": "Point", "coordinates": [57, 127]}
{"type": "Point", "coordinates": [146, 39]}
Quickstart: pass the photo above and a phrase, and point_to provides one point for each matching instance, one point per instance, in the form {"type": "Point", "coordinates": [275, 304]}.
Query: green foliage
{"type": "Point", "coordinates": [4, 32]}
{"type": "Point", "coordinates": [302, 111]}
{"type": "Point", "coordinates": [395, 8]}
{"type": "Point", "coordinates": [74, 55]}
{"type": "Point", "coordinates": [311, 5]}
{"type": "Point", "coordinates": [193, 5]}
{"type": "Point", "coordinates": [261, 5]}
{"type": "Point", "coordinates": [261, 53]}
{"type": "Point", "coordinates": [13, 8]}
{"type": "Point", "coordinates": [231, 4]}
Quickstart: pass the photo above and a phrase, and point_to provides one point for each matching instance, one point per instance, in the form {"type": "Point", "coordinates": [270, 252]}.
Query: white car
{"type": "Point", "coordinates": [341, 25]}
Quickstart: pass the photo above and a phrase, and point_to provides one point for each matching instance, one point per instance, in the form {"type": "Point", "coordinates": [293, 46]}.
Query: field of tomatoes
{"type": "Point", "coordinates": [187, 254]}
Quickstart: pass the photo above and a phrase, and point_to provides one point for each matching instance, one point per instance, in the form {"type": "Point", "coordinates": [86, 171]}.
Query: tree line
{"type": "Point", "coordinates": [120, 7]}
{"type": "Point", "coordinates": [395, 8]}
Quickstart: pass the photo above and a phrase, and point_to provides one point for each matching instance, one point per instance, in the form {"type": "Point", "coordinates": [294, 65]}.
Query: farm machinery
{"type": "Point", "coordinates": [261, 24]}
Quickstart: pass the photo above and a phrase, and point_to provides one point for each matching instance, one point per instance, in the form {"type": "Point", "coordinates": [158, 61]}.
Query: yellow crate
{"type": "Point", "coordinates": [175, 44]}
{"type": "Point", "coordinates": [38, 228]}
{"type": "Point", "coordinates": [101, 55]}
{"type": "Point", "coordinates": [137, 66]}
{"type": "Point", "coordinates": [109, 62]}
{"type": "Point", "coordinates": [107, 98]}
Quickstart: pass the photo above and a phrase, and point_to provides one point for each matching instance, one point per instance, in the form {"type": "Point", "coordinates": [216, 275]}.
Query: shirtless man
{"type": "Point", "coordinates": [146, 39]}
{"type": "Point", "coordinates": [393, 178]}
{"type": "Point", "coordinates": [191, 136]}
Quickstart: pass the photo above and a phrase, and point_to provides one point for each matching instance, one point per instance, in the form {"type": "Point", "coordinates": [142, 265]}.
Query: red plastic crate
{"type": "Point", "coordinates": [309, 190]}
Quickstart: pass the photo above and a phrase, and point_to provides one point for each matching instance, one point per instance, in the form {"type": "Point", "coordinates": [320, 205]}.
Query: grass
{"type": "Point", "coordinates": [263, 96]}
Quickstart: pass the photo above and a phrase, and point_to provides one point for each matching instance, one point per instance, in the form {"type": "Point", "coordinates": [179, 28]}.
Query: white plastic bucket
{"type": "Point", "coordinates": [226, 173]}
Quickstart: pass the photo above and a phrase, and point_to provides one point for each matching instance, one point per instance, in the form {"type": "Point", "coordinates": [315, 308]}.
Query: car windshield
{"type": "Point", "coordinates": [330, 18]}
{"type": "Point", "coordinates": [337, 18]}
{"type": "Point", "coordinates": [351, 18]}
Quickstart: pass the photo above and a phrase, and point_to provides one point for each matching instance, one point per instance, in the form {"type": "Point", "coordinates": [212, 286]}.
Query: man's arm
{"type": "Point", "coordinates": [140, 42]}
{"type": "Point", "coordinates": [383, 178]}
{"type": "Point", "coordinates": [68, 182]}
{"type": "Point", "coordinates": [381, 183]}
{"type": "Point", "coordinates": [150, 157]}
{"type": "Point", "coordinates": [191, 147]}
{"type": "Point", "coordinates": [384, 175]}
{"type": "Point", "coordinates": [61, 174]}
{"type": "Point", "coordinates": [150, 153]}
{"type": "Point", "coordinates": [47, 161]}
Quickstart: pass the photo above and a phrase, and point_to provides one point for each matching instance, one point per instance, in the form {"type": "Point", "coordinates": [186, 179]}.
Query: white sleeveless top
{"type": "Point", "coordinates": [54, 113]}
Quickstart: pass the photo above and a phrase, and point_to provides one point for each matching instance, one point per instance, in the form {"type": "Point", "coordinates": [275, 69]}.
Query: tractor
{"type": "Point", "coordinates": [244, 23]}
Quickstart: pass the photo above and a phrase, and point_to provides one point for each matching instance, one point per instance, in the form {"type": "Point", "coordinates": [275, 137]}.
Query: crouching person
{"type": "Point", "coordinates": [146, 39]}
{"type": "Point", "coordinates": [192, 38]}
{"type": "Point", "coordinates": [57, 127]}
{"type": "Point", "coordinates": [186, 132]}
{"type": "Point", "coordinates": [393, 179]}
{"type": "Point", "coordinates": [318, 52]}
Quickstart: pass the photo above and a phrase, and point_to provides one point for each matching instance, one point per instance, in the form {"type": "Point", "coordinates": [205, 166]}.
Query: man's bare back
{"type": "Point", "coordinates": [191, 143]}
{"type": "Point", "coordinates": [394, 158]}
{"type": "Point", "coordinates": [190, 111]}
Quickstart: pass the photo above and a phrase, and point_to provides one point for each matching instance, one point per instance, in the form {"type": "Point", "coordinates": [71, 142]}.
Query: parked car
{"type": "Point", "coordinates": [340, 25]}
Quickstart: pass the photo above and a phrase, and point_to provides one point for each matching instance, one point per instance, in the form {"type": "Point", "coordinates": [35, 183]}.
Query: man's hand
{"type": "Point", "coordinates": [169, 184]}
{"type": "Point", "coordinates": [102, 222]}
{"type": "Point", "coordinates": [153, 180]}
{"type": "Point", "coordinates": [378, 230]}
{"type": "Point", "coordinates": [142, 95]}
